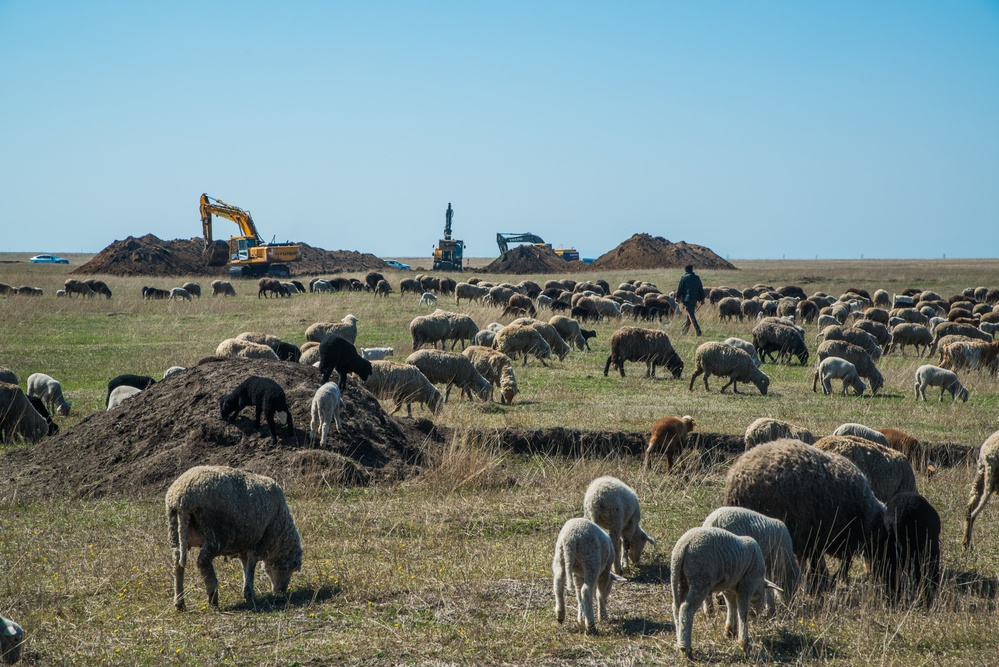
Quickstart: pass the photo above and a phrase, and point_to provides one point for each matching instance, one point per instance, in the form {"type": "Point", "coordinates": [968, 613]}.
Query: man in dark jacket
{"type": "Point", "coordinates": [690, 292]}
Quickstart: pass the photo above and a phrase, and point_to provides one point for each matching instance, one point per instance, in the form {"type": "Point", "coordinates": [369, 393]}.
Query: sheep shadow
{"type": "Point", "coordinates": [967, 582]}
{"type": "Point", "coordinates": [644, 627]}
{"type": "Point", "coordinates": [295, 599]}
{"type": "Point", "coordinates": [797, 646]}
{"type": "Point", "coordinates": [653, 572]}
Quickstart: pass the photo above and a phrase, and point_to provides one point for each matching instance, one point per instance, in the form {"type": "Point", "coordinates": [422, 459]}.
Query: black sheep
{"type": "Point", "coordinates": [336, 353]}
{"type": "Point", "coordinates": [913, 547]}
{"type": "Point", "coordinates": [40, 408]}
{"type": "Point", "coordinates": [587, 335]}
{"type": "Point", "coordinates": [287, 352]}
{"type": "Point", "coordinates": [265, 395]}
{"type": "Point", "coordinates": [140, 382]}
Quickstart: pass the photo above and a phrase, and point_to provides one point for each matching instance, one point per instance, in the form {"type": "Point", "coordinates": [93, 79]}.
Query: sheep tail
{"type": "Point", "coordinates": [183, 524]}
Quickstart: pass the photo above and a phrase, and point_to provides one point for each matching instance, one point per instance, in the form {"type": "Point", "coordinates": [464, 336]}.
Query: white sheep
{"type": "Point", "coordinates": [173, 370]}
{"type": "Point", "coordinates": [934, 376]}
{"type": "Point", "coordinates": [232, 347]}
{"type": "Point", "coordinates": [402, 383]}
{"type": "Point", "coordinates": [346, 328]}
{"type": "Point", "coordinates": [377, 353]}
{"type": "Point", "coordinates": [745, 346]}
{"type": "Point", "coordinates": [730, 362]}
{"type": "Point", "coordinates": [326, 406]}
{"type": "Point", "coordinates": [428, 299]}
{"type": "Point", "coordinates": [121, 394]}
{"type": "Point", "coordinates": [832, 368]}
{"type": "Point", "coordinates": [451, 370]}
{"type": "Point", "coordinates": [862, 431]}
{"type": "Point", "coordinates": [712, 560]}
{"type": "Point", "coordinates": [49, 390]}
{"type": "Point", "coordinates": [613, 505]}
{"type": "Point", "coordinates": [180, 293]}
{"type": "Point", "coordinates": [583, 558]}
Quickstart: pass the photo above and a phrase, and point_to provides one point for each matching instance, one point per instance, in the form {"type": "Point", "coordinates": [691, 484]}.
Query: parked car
{"type": "Point", "coordinates": [48, 259]}
{"type": "Point", "coordinates": [396, 264]}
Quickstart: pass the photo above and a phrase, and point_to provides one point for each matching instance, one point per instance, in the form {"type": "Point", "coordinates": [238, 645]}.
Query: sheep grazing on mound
{"type": "Point", "coordinates": [259, 338]}
{"type": "Point", "coordinates": [825, 501]}
{"type": "Point", "coordinates": [222, 288]}
{"type": "Point", "coordinates": [231, 347]}
{"type": "Point", "coordinates": [733, 363]}
{"type": "Point", "coordinates": [496, 368]}
{"type": "Point", "coordinates": [173, 370]}
{"type": "Point", "coordinates": [325, 409]}
{"type": "Point", "coordinates": [18, 418]}
{"type": "Point", "coordinates": [583, 558]}
{"type": "Point", "coordinates": [986, 482]}
{"type": "Point", "coordinates": [767, 429]}
{"type": "Point", "coordinates": [775, 543]}
{"type": "Point", "coordinates": [861, 431]}
{"type": "Point", "coordinates": [140, 382]}
{"type": "Point", "coordinates": [865, 366]}
{"type": "Point", "coordinates": [451, 370]}
{"type": "Point", "coordinates": [49, 390]}
{"type": "Point", "coordinates": [231, 513]}
{"type": "Point", "coordinates": [637, 344]}
{"type": "Point", "coordinates": [11, 641]}
{"type": "Point", "coordinates": [569, 330]}
{"type": "Point", "coordinates": [934, 376]}
{"type": "Point", "coordinates": [669, 437]}
{"type": "Point", "coordinates": [345, 328]}
{"type": "Point", "coordinates": [429, 330]}
{"type": "Point", "coordinates": [834, 368]}
{"type": "Point", "coordinates": [402, 383]}
{"type": "Point", "coordinates": [746, 347]}
{"type": "Point", "coordinates": [888, 471]}
{"type": "Point", "coordinates": [267, 398]}
{"type": "Point", "coordinates": [779, 341]}
{"type": "Point", "coordinates": [913, 527]}
{"type": "Point", "coordinates": [517, 339]}
{"type": "Point", "coordinates": [613, 505]}
{"type": "Point", "coordinates": [119, 395]}
{"type": "Point", "coordinates": [339, 354]}
{"type": "Point", "coordinates": [909, 333]}
{"type": "Point", "coordinates": [711, 560]}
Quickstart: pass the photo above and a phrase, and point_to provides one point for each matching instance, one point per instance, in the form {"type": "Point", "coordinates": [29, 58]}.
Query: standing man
{"type": "Point", "coordinates": [690, 292]}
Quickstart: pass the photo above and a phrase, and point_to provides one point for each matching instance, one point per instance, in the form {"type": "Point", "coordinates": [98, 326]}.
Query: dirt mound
{"type": "Point", "coordinates": [151, 256]}
{"type": "Point", "coordinates": [643, 251]}
{"type": "Point", "coordinates": [137, 450]}
{"type": "Point", "coordinates": [530, 259]}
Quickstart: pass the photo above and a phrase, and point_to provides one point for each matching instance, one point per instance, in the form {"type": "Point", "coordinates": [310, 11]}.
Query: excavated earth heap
{"type": "Point", "coordinates": [530, 259]}
{"type": "Point", "coordinates": [643, 251]}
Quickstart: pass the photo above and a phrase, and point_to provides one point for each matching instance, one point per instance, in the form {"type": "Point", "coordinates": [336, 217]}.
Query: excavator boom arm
{"type": "Point", "coordinates": [503, 240]}
{"type": "Point", "coordinates": [211, 206]}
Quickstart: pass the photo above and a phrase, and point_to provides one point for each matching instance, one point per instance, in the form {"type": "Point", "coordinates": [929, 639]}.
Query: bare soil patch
{"type": "Point", "coordinates": [643, 251]}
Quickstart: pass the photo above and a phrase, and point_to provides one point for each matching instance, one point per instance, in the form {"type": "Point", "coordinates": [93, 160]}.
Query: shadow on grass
{"type": "Point", "coordinates": [797, 646]}
{"type": "Point", "coordinates": [644, 627]}
{"type": "Point", "coordinates": [967, 582]}
{"type": "Point", "coordinates": [298, 598]}
{"type": "Point", "coordinates": [652, 572]}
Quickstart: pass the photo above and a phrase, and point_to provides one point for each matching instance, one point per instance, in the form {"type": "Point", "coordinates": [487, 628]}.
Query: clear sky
{"type": "Point", "coordinates": [759, 129]}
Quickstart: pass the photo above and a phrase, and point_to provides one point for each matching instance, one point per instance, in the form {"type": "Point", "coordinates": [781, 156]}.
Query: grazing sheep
{"type": "Point", "coordinates": [322, 287]}
{"type": "Point", "coordinates": [519, 338]}
{"type": "Point", "coordinates": [469, 292]}
{"type": "Point", "coordinates": [669, 436]}
{"type": "Point", "coordinates": [194, 289]}
{"type": "Point", "coordinates": [345, 328]}
{"type": "Point", "coordinates": [120, 394]}
{"type": "Point", "coordinates": [271, 286]}
{"type": "Point", "coordinates": [713, 560]}
{"type": "Point", "coordinates": [336, 353]}
{"type": "Point", "coordinates": [72, 287]}
{"type": "Point", "coordinates": [583, 557]}
{"type": "Point", "coordinates": [888, 471]}
{"type": "Point", "coordinates": [766, 429]}
{"type": "Point", "coordinates": [267, 398]}
{"type": "Point", "coordinates": [957, 328]}
{"type": "Point", "coordinates": [377, 353]}
{"type": "Point", "coordinates": [865, 366]}
{"type": "Point", "coordinates": [485, 338]}
{"type": "Point", "coordinates": [934, 376]}
{"type": "Point", "coordinates": [496, 368]}
{"type": "Point", "coordinates": [775, 543]}
{"type": "Point", "coordinates": [27, 290]}
{"type": "Point", "coordinates": [451, 369]}
{"type": "Point", "coordinates": [140, 382]}
{"type": "Point", "coordinates": [50, 391]}
{"type": "Point", "coordinates": [259, 338]}
{"type": "Point", "coordinates": [861, 339]}
{"type": "Point", "coordinates": [832, 368]}
{"type": "Point", "coordinates": [173, 370]}
{"type": "Point", "coordinates": [771, 337]}
{"type": "Point", "coordinates": [179, 293]}
{"type": "Point", "coordinates": [637, 344]}
{"type": "Point", "coordinates": [549, 333]}
{"type": "Point", "coordinates": [913, 527]}
{"type": "Point", "coordinates": [876, 329]}
{"type": "Point", "coordinates": [569, 330]}
{"type": "Point", "coordinates": [326, 406]}
{"type": "Point", "coordinates": [429, 330]}
{"type": "Point", "coordinates": [731, 362]}
{"type": "Point", "coordinates": [613, 505]}
{"type": "Point", "coordinates": [909, 333]}
{"type": "Point", "coordinates": [310, 357]}
{"type": "Point", "coordinates": [231, 347]}
{"type": "Point", "coordinates": [461, 328]}
{"type": "Point", "coordinates": [902, 442]}
{"type": "Point", "coordinates": [986, 482]}
{"type": "Point", "coordinates": [861, 431]}
{"type": "Point", "coordinates": [521, 302]}
{"type": "Point", "coordinates": [428, 299]}
{"type": "Point", "coordinates": [730, 307]}
{"type": "Point", "coordinates": [402, 383]}
{"type": "Point", "coordinates": [383, 288]}
{"type": "Point", "coordinates": [973, 355]}
{"type": "Point", "coordinates": [231, 513]}
{"type": "Point", "coordinates": [40, 408]}
{"type": "Point", "coordinates": [371, 279]}
{"type": "Point", "coordinates": [11, 641]}
{"type": "Point", "coordinates": [824, 500]}
{"type": "Point", "coordinates": [223, 288]}
{"type": "Point", "coordinates": [745, 346]}
{"type": "Point", "coordinates": [18, 418]}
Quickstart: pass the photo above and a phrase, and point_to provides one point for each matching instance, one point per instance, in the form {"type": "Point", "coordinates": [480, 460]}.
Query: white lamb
{"type": "Point", "coordinates": [613, 505]}
{"type": "Point", "coordinates": [49, 390]}
{"type": "Point", "coordinates": [934, 376]}
{"type": "Point", "coordinates": [834, 368]}
{"type": "Point", "coordinates": [121, 394]}
{"type": "Point", "coordinates": [180, 293]}
{"type": "Point", "coordinates": [583, 558]}
{"type": "Point", "coordinates": [326, 406]}
{"type": "Point", "coordinates": [377, 353]}
{"type": "Point", "coordinates": [428, 299]}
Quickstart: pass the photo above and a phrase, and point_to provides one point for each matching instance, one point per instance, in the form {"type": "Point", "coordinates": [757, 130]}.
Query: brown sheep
{"type": "Point", "coordinates": [669, 435]}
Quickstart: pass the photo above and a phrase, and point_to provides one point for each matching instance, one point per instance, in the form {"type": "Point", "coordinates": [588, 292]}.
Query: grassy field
{"type": "Point", "coordinates": [453, 566]}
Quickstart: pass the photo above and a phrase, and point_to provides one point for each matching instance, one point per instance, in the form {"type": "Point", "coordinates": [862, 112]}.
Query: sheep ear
{"type": "Point", "coordinates": [772, 586]}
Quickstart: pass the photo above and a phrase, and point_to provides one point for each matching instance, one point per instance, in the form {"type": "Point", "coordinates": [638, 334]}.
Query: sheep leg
{"type": "Point", "coordinates": [694, 377]}
{"type": "Point", "coordinates": [742, 602]}
{"type": "Point", "coordinates": [685, 617]}
{"type": "Point", "coordinates": [559, 584]}
{"type": "Point", "coordinates": [336, 420]}
{"type": "Point", "coordinates": [728, 384]}
{"type": "Point", "coordinates": [270, 425]}
{"type": "Point", "coordinates": [731, 608]}
{"type": "Point", "coordinates": [585, 597]}
{"type": "Point", "coordinates": [178, 582]}
{"type": "Point", "coordinates": [447, 392]}
{"type": "Point", "coordinates": [942, 390]}
{"type": "Point", "coordinates": [981, 490]}
{"type": "Point", "coordinates": [291, 426]}
{"type": "Point", "coordinates": [615, 536]}
{"type": "Point", "coordinates": [604, 583]}
{"type": "Point", "coordinates": [249, 562]}
{"type": "Point", "coordinates": [207, 569]}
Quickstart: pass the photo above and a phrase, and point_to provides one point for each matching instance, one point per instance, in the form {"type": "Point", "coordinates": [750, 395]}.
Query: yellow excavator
{"type": "Point", "coordinates": [249, 256]}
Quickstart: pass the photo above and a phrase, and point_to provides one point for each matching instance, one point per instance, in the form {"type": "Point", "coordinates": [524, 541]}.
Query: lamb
{"type": "Point", "coordinates": [861, 431]}
{"type": "Point", "coordinates": [775, 543]}
{"type": "Point", "coordinates": [337, 353]}
{"type": "Point", "coordinates": [712, 560]}
{"type": "Point", "coordinates": [222, 288]}
{"type": "Point", "coordinates": [934, 376]}
{"type": "Point", "coordinates": [825, 501]}
{"type": "Point", "coordinates": [402, 383]}
{"type": "Point", "coordinates": [120, 395]}
{"type": "Point", "coordinates": [669, 436]}
{"type": "Point", "coordinates": [271, 286]}
{"type": "Point", "coordinates": [322, 287]}
{"type": "Point", "coordinates": [326, 406]}
{"type": "Point", "coordinates": [265, 395]}
{"type": "Point", "coordinates": [194, 289]}
{"type": "Point", "coordinates": [518, 338]}
{"type": "Point", "coordinates": [11, 641]}
{"type": "Point", "coordinates": [377, 353]}
{"type": "Point", "coordinates": [832, 368]}
{"type": "Point", "coordinates": [986, 482]}
{"type": "Point", "coordinates": [451, 370]}
{"type": "Point", "coordinates": [855, 355]}
{"type": "Point", "coordinates": [909, 333]}
{"type": "Point", "coordinates": [428, 299]}
{"type": "Point", "coordinates": [50, 391]}
{"type": "Point", "coordinates": [345, 328]}
{"type": "Point", "coordinates": [783, 340]}
{"type": "Point", "coordinates": [429, 330]}
{"type": "Point", "coordinates": [766, 429]}
{"type": "Point", "coordinates": [583, 557]}
{"type": "Point", "coordinates": [140, 382]}
{"type": "Point", "coordinates": [637, 344]}
{"type": "Point", "coordinates": [888, 471]}
{"type": "Point", "coordinates": [613, 505]}
{"type": "Point", "coordinates": [733, 363]}
{"type": "Point", "coordinates": [496, 368]}
{"type": "Point", "coordinates": [231, 347]}
{"type": "Point", "coordinates": [179, 293]}
{"type": "Point", "coordinates": [231, 512]}
{"type": "Point", "coordinates": [18, 418]}
{"type": "Point", "coordinates": [745, 346]}
{"type": "Point", "coordinates": [913, 527]}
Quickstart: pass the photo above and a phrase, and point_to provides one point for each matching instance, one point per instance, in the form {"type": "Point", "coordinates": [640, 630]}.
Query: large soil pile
{"type": "Point", "coordinates": [151, 256]}
{"type": "Point", "coordinates": [643, 251]}
{"type": "Point", "coordinates": [530, 259]}
{"type": "Point", "coordinates": [139, 448]}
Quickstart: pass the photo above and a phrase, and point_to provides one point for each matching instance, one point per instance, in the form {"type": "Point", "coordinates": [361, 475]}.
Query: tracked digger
{"type": "Point", "coordinates": [247, 255]}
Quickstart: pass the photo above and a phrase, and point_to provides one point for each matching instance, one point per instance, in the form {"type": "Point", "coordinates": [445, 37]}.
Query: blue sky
{"type": "Point", "coordinates": [758, 129]}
